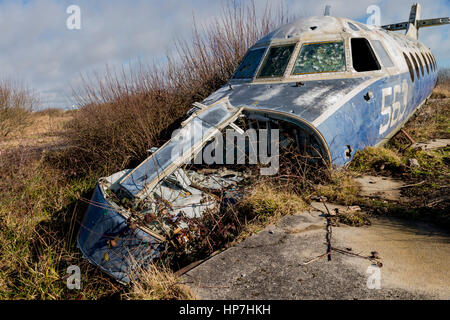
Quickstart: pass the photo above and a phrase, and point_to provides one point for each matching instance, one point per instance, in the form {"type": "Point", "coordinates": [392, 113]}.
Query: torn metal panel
{"type": "Point", "coordinates": [186, 143]}
{"type": "Point", "coordinates": [308, 101]}
{"type": "Point", "coordinates": [105, 222]}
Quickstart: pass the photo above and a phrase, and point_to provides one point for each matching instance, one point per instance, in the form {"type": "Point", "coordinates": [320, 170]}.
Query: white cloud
{"type": "Point", "coordinates": [36, 46]}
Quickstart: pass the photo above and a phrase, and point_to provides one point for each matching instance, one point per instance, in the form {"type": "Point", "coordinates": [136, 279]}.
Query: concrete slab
{"type": "Point", "coordinates": [432, 144]}
{"type": "Point", "coordinates": [381, 187]}
{"type": "Point", "coordinates": [270, 265]}
{"type": "Point", "coordinates": [415, 255]}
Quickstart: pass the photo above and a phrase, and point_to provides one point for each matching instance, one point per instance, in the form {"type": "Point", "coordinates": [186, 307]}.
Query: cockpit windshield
{"type": "Point", "coordinates": [320, 57]}
{"type": "Point", "coordinates": [276, 61]}
{"type": "Point", "coordinates": [249, 64]}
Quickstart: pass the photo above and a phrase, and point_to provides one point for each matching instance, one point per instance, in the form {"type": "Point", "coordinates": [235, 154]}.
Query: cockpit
{"type": "Point", "coordinates": [318, 56]}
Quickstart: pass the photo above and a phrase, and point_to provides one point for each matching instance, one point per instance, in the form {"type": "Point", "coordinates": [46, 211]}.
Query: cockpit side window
{"type": "Point", "coordinates": [382, 54]}
{"type": "Point", "coordinates": [363, 56]}
{"type": "Point", "coordinates": [249, 64]}
{"type": "Point", "coordinates": [362, 26]}
{"type": "Point", "coordinates": [320, 57]}
{"type": "Point", "coordinates": [276, 61]}
{"type": "Point", "coordinates": [352, 26]}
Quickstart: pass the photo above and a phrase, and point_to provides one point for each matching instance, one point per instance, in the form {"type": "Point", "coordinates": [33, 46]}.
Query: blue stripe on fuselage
{"type": "Point", "coordinates": [357, 123]}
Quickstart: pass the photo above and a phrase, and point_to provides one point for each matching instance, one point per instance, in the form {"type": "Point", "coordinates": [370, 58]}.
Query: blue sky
{"type": "Point", "coordinates": [37, 48]}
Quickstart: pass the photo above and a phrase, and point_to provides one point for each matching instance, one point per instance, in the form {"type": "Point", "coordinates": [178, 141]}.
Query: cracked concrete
{"type": "Point", "coordinates": [381, 187]}
{"type": "Point", "coordinates": [270, 264]}
{"type": "Point", "coordinates": [432, 144]}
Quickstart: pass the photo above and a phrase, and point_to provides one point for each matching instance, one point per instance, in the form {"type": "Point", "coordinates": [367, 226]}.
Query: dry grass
{"type": "Point", "coordinates": [43, 129]}
{"type": "Point", "coordinates": [266, 204]}
{"type": "Point", "coordinates": [341, 188]}
{"type": "Point", "coordinates": [158, 283]}
{"type": "Point", "coordinates": [441, 91]}
{"type": "Point", "coordinates": [373, 160]}
{"type": "Point", "coordinates": [38, 214]}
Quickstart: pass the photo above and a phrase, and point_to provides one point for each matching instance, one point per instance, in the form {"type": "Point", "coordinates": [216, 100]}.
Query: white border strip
{"type": "Point", "coordinates": [324, 116]}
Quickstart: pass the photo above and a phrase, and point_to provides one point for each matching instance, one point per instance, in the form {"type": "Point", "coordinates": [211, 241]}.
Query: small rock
{"type": "Point", "coordinates": [413, 163]}
{"type": "Point", "coordinates": [353, 208]}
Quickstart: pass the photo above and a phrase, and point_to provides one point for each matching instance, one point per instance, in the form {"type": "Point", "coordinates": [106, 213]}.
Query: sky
{"type": "Point", "coordinates": [37, 48]}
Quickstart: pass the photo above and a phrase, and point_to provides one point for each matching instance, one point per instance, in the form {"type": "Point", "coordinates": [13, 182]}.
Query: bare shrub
{"type": "Point", "coordinates": [16, 103]}
{"type": "Point", "coordinates": [444, 76]}
{"type": "Point", "coordinates": [124, 113]}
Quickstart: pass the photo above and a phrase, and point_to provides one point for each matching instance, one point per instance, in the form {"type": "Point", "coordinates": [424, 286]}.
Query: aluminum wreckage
{"type": "Point", "coordinates": [332, 85]}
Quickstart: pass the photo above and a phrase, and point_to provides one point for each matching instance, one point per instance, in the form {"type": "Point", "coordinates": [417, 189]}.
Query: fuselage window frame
{"type": "Point", "coordinates": [426, 61]}
{"type": "Point", "coordinates": [375, 62]}
{"type": "Point", "coordinates": [382, 53]}
{"type": "Point", "coordinates": [303, 44]}
{"type": "Point", "coordinates": [416, 66]}
{"type": "Point", "coordinates": [257, 66]}
{"type": "Point", "coordinates": [432, 62]}
{"type": "Point", "coordinates": [410, 67]}
{"type": "Point", "coordinates": [420, 64]}
{"type": "Point", "coordinates": [266, 57]}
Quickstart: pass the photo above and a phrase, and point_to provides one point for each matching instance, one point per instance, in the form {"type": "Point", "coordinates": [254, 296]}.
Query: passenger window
{"type": "Point", "coordinates": [426, 62]}
{"type": "Point", "coordinates": [416, 66]}
{"type": "Point", "coordinates": [431, 60]}
{"type": "Point", "coordinates": [320, 57]}
{"type": "Point", "coordinates": [408, 62]}
{"type": "Point", "coordinates": [434, 61]}
{"type": "Point", "coordinates": [382, 54]}
{"type": "Point", "coordinates": [249, 64]}
{"type": "Point", "coordinates": [276, 61]}
{"type": "Point", "coordinates": [420, 64]}
{"type": "Point", "coordinates": [362, 55]}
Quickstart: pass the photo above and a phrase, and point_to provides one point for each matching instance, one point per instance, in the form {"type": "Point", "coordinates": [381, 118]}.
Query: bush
{"type": "Point", "coordinates": [444, 76]}
{"type": "Point", "coordinates": [16, 103]}
{"type": "Point", "coordinates": [123, 114]}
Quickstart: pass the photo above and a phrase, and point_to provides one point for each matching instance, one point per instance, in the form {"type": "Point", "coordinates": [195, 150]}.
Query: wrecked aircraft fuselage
{"type": "Point", "coordinates": [331, 86]}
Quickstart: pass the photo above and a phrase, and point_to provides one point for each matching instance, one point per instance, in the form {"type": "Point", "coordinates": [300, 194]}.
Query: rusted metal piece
{"type": "Point", "coordinates": [408, 136]}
